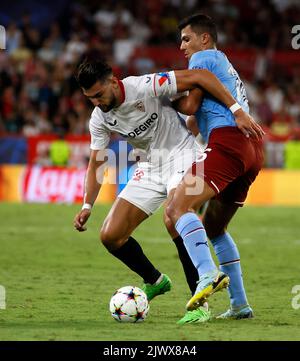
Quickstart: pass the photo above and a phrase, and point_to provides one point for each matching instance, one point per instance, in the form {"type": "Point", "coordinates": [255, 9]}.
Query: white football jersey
{"type": "Point", "coordinates": [145, 119]}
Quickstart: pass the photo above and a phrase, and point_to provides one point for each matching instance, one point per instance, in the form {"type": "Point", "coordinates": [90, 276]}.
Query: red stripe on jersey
{"type": "Point", "coordinates": [121, 85]}
{"type": "Point", "coordinates": [154, 85]}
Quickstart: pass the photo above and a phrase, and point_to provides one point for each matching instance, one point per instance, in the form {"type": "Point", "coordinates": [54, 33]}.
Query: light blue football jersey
{"type": "Point", "coordinates": [213, 114]}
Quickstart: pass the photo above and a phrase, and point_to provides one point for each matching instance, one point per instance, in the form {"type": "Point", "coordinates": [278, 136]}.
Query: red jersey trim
{"type": "Point", "coordinates": [122, 88]}
{"type": "Point", "coordinates": [154, 85]}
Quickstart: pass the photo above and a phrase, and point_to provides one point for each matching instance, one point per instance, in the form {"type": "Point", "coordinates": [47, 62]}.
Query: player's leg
{"type": "Point", "coordinates": [121, 221]}
{"type": "Point", "coordinates": [190, 194]}
{"type": "Point", "coordinates": [115, 234]}
{"type": "Point", "coordinates": [220, 213]}
{"type": "Point", "coordinates": [215, 220]}
{"type": "Point", "coordinates": [190, 271]}
{"type": "Point", "coordinates": [201, 314]}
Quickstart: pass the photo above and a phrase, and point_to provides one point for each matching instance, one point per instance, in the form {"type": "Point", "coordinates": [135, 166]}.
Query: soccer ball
{"type": "Point", "coordinates": [129, 304]}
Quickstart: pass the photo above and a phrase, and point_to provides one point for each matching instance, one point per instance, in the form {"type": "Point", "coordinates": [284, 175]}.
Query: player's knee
{"type": "Point", "coordinates": [105, 237]}
{"type": "Point", "coordinates": [109, 238]}
{"type": "Point", "coordinates": [169, 225]}
{"type": "Point", "coordinates": [167, 221]}
{"type": "Point", "coordinates": [173, 213]}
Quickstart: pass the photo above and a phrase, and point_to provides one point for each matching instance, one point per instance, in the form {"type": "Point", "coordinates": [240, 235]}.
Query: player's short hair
{"type": "Point", "coordinates": [200, 23]}
{"type": "Point", "coordinates": [91, 70]}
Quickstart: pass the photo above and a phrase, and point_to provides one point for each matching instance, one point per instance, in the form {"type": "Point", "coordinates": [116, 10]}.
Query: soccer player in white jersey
{"type": "Point", "coordinates": [134, 108]}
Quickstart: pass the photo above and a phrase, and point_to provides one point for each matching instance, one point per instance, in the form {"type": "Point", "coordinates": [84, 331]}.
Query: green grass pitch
{"type": "Point", "coordinates": [59, 282]}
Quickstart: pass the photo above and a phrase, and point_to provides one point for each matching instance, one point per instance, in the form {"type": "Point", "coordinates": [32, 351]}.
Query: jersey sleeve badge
{"type": "Point", "coordinates": [163, 77]}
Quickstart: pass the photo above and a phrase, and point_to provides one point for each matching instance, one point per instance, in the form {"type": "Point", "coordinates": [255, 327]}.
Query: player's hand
{"type": "Point", "coordinates": [80, 219]}
{"type": "Point", "coordinates": [247, 125]}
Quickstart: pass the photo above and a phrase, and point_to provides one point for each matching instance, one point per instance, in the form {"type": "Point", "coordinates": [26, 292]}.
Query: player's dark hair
{"type": "Point", "coordinates": [200, 23]}
{"type": "Point", "coordinates": [91, 70]}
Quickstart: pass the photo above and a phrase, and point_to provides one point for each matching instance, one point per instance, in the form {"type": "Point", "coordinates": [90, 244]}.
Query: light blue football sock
{"type": "Point", "coordinates": [229, 259]}
{"type": "Point", "coordinates": [194, 237]}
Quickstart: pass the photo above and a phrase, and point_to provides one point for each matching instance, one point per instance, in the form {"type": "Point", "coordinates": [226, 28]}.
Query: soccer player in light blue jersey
{"type": "Point", "coordinates": [229, 166]}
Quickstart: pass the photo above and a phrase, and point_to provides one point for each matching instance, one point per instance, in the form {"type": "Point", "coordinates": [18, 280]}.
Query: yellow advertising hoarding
{"type": "Point", "coordinates": [63, 185]}
{"type": "Point", "coordinates": [275, 187]}
{"type": "Point", "coordinates": [49, 184]}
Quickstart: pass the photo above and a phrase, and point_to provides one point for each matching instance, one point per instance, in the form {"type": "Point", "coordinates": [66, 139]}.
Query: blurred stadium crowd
{"type": "Point", "coordinates": [39, 95]}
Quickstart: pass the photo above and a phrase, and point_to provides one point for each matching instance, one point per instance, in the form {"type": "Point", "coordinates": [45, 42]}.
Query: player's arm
{"type": "Point", "coordinates": [191, 123]}
{"type": "Point", "coordinates": [190, 103]}
{"type": "Point", "coordinates": [189, 79]}
{"type": "Point", "coordinates": [93, 181]}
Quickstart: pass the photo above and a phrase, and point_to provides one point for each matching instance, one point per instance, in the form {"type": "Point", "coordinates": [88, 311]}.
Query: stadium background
{"type": "Point", "coordinates": [44, 141]}
{"type": "Point", "coordinates": [40, 101]}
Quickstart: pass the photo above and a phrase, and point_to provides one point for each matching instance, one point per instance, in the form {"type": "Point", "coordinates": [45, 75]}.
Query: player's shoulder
{"type": "Point", "coordinates": [130, 83]}
{"type": "Point", "coordinates": [130, 86]}
{"type": "Point", "coordinates": [211, 59]}
{"type": "Point", "coordinates": [134, 86]}
{"type": "Point", "coordinates": [209, 54]}
{"type": "Point", "coordinates": [134, 81]}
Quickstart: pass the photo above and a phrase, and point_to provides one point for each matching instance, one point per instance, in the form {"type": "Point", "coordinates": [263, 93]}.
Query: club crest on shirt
{"type": "Point", "coordinates": [140, 106]}
{"type": "Point", "coordinates": [163, 77]}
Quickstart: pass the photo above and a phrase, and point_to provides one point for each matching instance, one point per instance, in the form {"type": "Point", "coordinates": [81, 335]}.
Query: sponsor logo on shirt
{"type": "Point", "coordinates": [143, 127]}
{"type": "Point", "coordinates": [163, 77]}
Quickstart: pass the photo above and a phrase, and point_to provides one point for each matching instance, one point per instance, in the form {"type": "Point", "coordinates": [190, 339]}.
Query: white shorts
{"type": "Point", "coordinates": [150, 185]}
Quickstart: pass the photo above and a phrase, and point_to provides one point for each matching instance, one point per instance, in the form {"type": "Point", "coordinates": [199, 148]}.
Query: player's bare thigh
{"type": "Point", "coordinates": [122, 219]}
{"type": "Point", "coordinates": [190, 194]}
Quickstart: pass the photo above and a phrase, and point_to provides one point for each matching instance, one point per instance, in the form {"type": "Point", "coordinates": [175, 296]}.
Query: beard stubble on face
{"type": "Point", "coordinates": [108, 107]}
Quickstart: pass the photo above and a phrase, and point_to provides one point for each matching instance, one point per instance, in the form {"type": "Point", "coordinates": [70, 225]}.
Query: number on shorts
{"type": "Point", "coordinates": [203, 156]}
